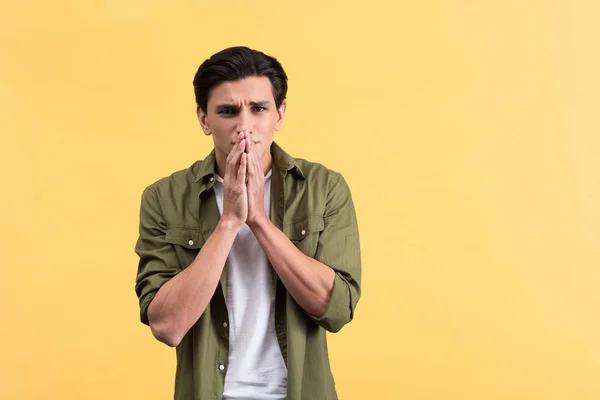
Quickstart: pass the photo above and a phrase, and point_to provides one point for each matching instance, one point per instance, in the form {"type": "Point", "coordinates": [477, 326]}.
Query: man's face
{"type": "Point", "coordinates": [244, 105]}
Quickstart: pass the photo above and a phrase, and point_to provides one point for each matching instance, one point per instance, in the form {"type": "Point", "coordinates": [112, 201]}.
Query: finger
{"type": "Point", "coordinates": [244, 136]}
{"type": "Point", "coordinates": [256, 159]}
{"type": "Point", "coordinates": [245, 139]}
{"type": "Point", "coordinates": [241, 173]}
{"type": "Point", "coordinates": [238, 139]}
{"type": "Point", "coordinates": [252, 147]}
{"type": "Point", "coordinates": [249, 144]}
{"type": "Point", "coordinates": [252, 144]}
{"type": "Point", "coordinates": [234, 150]}
{"type": "Point", "coordinates": [236, 156]}
{"type": "Point", "coordinates": [250, 161]}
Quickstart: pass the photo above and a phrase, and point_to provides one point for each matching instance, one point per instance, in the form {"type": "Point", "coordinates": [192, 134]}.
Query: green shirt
{"type": "Point", "coordinates": [312, 205]}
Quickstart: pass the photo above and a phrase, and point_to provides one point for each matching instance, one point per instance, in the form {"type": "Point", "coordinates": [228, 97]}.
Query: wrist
{"type": "Point", "coordinates": [230, 224]}
{"type": "Point", "coordinates": [259, 223]}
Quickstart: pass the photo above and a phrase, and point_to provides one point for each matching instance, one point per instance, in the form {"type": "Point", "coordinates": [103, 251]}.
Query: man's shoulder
{"type": "Point", "coordinates": [316, 172]}
{"type": "Point", "coordinates": [309, 170]}
{"type": "Point", "coordinates": [178, 181]}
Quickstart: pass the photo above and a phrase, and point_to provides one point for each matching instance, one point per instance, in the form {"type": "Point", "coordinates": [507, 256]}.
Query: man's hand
{"type": "Point", "coordinates": [255, 186]}
{"type": "Point", "coordinates": [235, 197]}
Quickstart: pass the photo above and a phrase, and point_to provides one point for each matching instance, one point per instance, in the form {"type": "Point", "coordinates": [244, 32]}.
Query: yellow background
{"type": "Point", "coordinates": [467, 130]}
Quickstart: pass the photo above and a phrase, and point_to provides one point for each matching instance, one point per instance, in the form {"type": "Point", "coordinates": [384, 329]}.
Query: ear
{"type": "Point", "coordinates": [202, 118]}
{"type": "Point", "coordinates": [280, 115]}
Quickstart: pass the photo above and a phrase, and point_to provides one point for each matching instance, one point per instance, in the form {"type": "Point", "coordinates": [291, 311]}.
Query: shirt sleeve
{"type": "Point", "coordinates": [339, 248]}
{"type": "Point", "coordinates": [158, 262]}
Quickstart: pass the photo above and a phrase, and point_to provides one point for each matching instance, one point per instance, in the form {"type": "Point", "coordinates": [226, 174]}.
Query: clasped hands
{"type": "Point", "coordinates": [244, 184]}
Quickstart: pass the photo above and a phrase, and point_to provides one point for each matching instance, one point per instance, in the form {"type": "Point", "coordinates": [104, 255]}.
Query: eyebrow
{"type": "Point", "coordinates": [259, 103]}
{"type": "Point", "coordinates": [226, 106]}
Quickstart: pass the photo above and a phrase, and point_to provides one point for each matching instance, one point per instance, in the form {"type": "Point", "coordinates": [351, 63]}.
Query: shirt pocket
{"type": "Point", "coordinates": [305, 232]}
{"type": "Point", "coordinates": [186, 241]}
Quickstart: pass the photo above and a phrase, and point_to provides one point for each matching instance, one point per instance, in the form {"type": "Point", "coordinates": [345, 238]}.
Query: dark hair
{"type": "Point", "coordinates": [237, 63]}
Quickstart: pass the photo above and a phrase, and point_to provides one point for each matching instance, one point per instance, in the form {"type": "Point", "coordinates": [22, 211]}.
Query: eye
{"type": "Point", "coordinates": [259, 109]}
{"type": "Point", "coordinates": [227, 111]}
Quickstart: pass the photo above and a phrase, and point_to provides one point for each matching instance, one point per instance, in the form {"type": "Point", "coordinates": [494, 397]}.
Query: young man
{"type": "Point", "coordinates": [249, 256]}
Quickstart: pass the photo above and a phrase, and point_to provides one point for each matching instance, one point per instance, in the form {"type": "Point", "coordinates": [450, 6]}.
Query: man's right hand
{"type": "Point", "coordinates": [183, 299]}
{"type": "Point", "coordinates": [235, 199]}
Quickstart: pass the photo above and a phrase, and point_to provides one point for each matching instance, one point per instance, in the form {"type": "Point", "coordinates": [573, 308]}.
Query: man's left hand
{"type": "Point", "coordinates": [255, 186]}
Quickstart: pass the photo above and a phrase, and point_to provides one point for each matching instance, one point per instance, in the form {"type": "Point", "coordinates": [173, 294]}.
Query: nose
{"type": "Point", "coordinates": [244, 122]}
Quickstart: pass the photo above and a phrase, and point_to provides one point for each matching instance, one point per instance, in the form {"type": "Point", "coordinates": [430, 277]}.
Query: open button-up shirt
{"type": "Point", "coordinates": [312, 205]}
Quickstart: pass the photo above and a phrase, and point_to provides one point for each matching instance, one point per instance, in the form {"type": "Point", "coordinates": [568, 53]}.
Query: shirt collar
{"type": "Point", "coordinates": [207, 168]}
{"type": "Point", "coordinates": [284, 161]}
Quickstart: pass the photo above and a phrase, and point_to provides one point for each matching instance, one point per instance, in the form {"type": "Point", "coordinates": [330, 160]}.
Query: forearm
{"type": "Point", "coordinates": [183, 299]}
{"type": "Point", "coordinates": [308, 281]}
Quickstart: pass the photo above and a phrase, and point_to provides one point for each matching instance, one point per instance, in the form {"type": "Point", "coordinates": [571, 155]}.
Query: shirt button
{"type": "Point", "coordinates": [303, 232]}
{"type": "Point", "coordinates": [224, 324]}
{"type": "Point", "coordinates": [212, 178]}
{"type": "Point", "coordinates": [221, 367]}
{"type": "Point", "coordinates": [191, 242]}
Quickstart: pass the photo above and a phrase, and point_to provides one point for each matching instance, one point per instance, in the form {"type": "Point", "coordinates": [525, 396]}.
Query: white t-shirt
{"type": "Point", "coordinates": [256, 368]}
